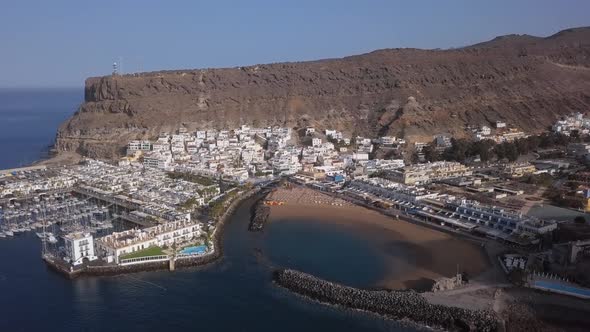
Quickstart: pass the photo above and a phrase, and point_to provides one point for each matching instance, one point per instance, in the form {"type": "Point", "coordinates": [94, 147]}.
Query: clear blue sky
{"type": "Point", "coordinates": [54, 43]}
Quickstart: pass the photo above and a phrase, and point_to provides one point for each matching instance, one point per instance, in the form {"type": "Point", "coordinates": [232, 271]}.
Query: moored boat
{"type": "Point", "coordinates": [51, 238]}
{"type": "Point", "coordinates": [42, 235]}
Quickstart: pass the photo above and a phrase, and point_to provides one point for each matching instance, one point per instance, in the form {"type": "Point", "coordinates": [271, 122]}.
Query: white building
{"type": "Point", "coordinates": [79, 248]}
{"type": "Point", "coordinates": [134, 146]}
{"type": "Point", "coordinates": [316, 141]}
{"type": "Point", "coordinates": [499, 218]}
{"type": "Point", "coordinates": [360, 156]}
{"type": "Point", "coordinates": [387, 140]}
{"type": "Point", "coordinates": [362, 140]}
{"type": "Point", "coordinates": [115, 245]}
{"type": "Point", "coordinates": [392, 191]}
{"type": "Point", "coordinates": [423, 173]}
{"type": "Point", "coordinates": [330, 132]}
{"type": "Point", "coordinates": [157, 160]}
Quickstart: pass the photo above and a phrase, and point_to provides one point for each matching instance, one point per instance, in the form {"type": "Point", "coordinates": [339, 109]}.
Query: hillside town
{"type": "Point", "coordinates": [163, 201]}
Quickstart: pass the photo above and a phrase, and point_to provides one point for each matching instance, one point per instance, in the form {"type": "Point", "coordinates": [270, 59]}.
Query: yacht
{"type": "Point", "coordinates": [51, 238]}
{"type": "Point", "coordinates": [42, 235]}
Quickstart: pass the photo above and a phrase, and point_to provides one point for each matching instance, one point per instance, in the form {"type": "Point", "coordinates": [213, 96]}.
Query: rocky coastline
{"type": "Point", "coordinates": [399, 305]}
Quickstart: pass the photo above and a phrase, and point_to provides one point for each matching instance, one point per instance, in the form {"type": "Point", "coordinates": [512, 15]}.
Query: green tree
{"type": "Point", "coordinates": [458, 150]}
{"type": "Point", "coordinates": [482, 148]}
{"type": "Point", "coordinates": [430, 153]}
{"type": "Point", "coordinates": [511, 151]}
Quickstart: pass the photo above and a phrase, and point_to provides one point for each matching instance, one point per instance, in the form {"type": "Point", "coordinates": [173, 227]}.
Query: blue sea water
{"type": "Point", "coordinates": [29, 119]}
{"type": "Point", "coordinates": [233, 294]}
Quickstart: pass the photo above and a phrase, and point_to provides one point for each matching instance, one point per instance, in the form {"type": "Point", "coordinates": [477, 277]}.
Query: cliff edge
{"type": "Point", "coordinates": [527, 81]}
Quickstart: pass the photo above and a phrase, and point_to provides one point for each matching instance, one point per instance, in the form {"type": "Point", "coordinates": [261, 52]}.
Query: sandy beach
{"type": "Point", "coordinates": [413, 254]}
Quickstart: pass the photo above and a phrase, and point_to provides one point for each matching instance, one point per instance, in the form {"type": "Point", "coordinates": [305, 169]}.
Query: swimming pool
{"type": "Point", "coordinates": [196, 250]}
{"type": "Point", "coordinates": [561, 288]}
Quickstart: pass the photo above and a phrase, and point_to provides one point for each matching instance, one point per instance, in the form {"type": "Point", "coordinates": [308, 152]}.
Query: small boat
{"type": "Point", "coordinates": [2, 234]}
{"type": "Point", "coordinates": [51, 238]}
{"type": "Point", "coordinates": [9, 233]}
{"type": "Point", "coordinates": [42, 235]}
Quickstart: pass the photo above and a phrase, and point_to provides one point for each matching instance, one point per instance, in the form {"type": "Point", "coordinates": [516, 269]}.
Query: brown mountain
{"type": "Point", "coordinates": [527, 81]}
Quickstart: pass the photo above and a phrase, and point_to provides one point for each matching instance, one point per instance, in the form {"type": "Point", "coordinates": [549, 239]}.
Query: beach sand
{"type": "Point", "coordinates": [413, 255]}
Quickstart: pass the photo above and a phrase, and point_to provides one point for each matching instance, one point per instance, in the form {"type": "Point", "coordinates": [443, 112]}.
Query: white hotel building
{"type": "Point", "coordinates": [79, 248]}
{"type": "Point", "coordinates": [117, 244]}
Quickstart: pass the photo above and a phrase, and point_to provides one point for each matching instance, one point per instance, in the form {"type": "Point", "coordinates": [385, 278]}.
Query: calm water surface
{"type": "Point", "coordinates": [234, 294]}
{"type": "Point", "coordinates": [29, 120]}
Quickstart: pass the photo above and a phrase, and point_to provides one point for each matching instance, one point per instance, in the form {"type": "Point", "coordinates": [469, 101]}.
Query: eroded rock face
{"type": "Point", "coordinates": [526, 81]}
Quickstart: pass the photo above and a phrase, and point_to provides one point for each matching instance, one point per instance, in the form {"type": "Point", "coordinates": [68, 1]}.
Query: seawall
{"type": "Point", "coordinates": [395, 304]}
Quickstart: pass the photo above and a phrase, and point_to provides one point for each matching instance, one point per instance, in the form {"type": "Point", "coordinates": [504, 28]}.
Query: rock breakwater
{"type": "Point", "coordinates": [261, 213]}
{"type": "Point", "coordinates": [408, 305]}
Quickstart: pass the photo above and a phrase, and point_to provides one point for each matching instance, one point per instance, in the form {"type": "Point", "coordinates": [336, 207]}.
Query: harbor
{"type": "Point", "coordinates": [159, 290]}
{"type": "Point", "coordinates": [90, 227]}
{"type": "Point", "coordinates": [399, 227]}
{"type": "Point", "coordinates": [53, 215]}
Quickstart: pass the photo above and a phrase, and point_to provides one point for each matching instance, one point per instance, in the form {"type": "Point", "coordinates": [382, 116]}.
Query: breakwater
{"type": "Point", "coordinates": [259, 217]}
{"type": "Point", "coordinates": [399, 305]}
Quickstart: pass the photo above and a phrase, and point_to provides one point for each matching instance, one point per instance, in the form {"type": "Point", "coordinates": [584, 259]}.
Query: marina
{"type": "Point", "coordinates": [52, 216]}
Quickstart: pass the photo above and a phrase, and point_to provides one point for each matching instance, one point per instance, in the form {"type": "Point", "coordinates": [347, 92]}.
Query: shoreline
{"type": "Point", "coordinates": [413, 256]}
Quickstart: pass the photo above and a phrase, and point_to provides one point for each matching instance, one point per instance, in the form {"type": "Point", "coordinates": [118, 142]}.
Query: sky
{"type": "Point", "coordinates": [61, 43]}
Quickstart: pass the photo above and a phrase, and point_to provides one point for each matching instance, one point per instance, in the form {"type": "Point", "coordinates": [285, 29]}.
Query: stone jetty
{"type": "Point", "coordinates": [408, 305]}
{"type": "Point", "coordinates": [261, 213]}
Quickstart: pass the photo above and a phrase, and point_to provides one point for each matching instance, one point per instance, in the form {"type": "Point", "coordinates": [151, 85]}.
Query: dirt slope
{"type": "Point", "coordinates": [526, 81]}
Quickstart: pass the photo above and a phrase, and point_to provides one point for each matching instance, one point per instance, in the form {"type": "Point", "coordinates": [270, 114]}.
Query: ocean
{"type": "Point", "coordinates": [29, 119]}
{"type": "Point", "coordinates": [234, 294]}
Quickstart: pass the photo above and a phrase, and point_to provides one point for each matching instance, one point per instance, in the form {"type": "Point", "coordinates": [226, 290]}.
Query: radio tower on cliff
{"type": "Point", "coordinates": [115, 68]}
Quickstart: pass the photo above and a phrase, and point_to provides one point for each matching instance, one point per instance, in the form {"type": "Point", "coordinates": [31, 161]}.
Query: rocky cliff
{"type": "Point", "coordinates": [526, 81]}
